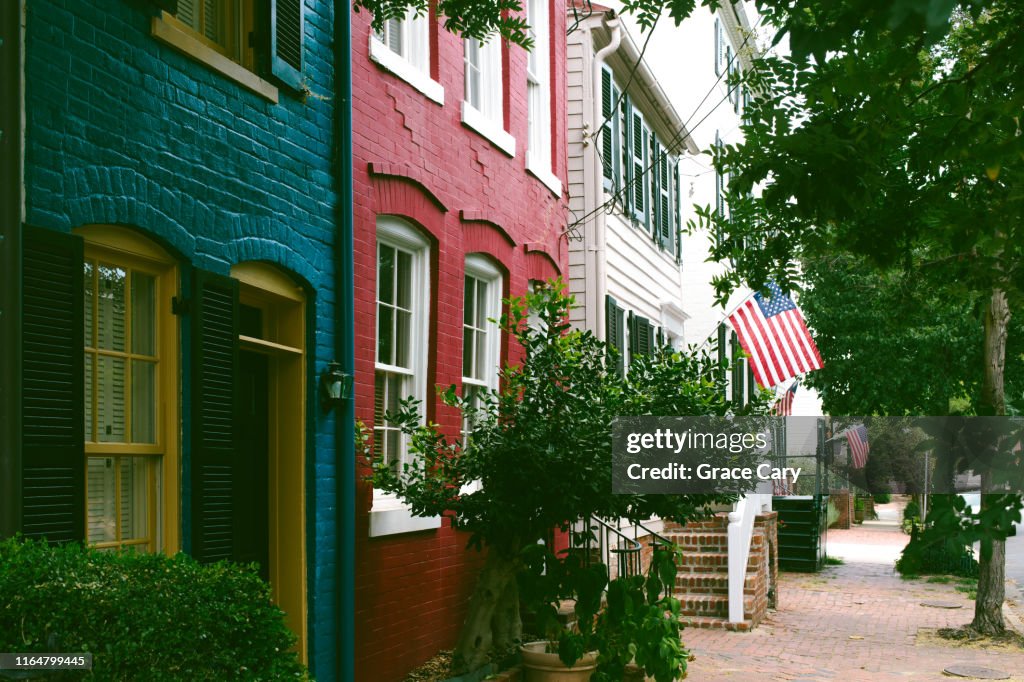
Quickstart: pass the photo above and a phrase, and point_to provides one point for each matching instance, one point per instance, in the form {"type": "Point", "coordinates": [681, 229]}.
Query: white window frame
{"type": "Point", "coordinates": [411, 62]}
{"type": "Point", "coordinates": [389, 515]}
{"type": "Point", "coordinates": [483, 101]}
{"type": "Point", "coordinates": [538, 96]}
{"type": "Point", "coordinates": [484, 272]}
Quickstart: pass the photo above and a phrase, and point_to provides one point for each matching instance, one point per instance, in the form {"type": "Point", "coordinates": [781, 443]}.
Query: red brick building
{"type": "Point", "coordinates": [460, 172]}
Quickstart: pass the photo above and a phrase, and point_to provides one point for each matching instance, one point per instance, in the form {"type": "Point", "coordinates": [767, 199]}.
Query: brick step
{"type": "Point", "coordinates": [710, 584]}
{"type": "Point", "coordinates": [712, 605]}
{"type": "Point", "coordinates": [713, 623]}
{"type": "Point", "coordinates": [703, 541]}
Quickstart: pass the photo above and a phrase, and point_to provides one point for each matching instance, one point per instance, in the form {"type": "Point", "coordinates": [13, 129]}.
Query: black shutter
{"type": "Point", "coordinates": [751, 381]}
{"type": "Point", "coordinates": [53, 387]}
{"type": "Point", "coordinates": [738, 373]}
{"type": "Point", "coordinates": [214, 391]}
{"type": "Point", "coordinates": [286, 29]}
{"type": "Point", "coordinates": [722, 357]}
{"type": "Point", "coordinates": [615, 331]}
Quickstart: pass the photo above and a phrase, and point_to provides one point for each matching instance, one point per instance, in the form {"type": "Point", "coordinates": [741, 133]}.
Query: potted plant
{"type": "Point", "coordinates": [624, 630]}
{"type": "Point", "coordinates": [858, 510]}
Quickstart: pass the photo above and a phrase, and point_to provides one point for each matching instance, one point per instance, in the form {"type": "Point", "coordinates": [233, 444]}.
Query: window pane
{"type": "Point", "coordinates": [395, 392]}
{"type": "Point", "coordinates": [89, 376]}
{"type": "Point", "coordinates": [143, 401]}
{"type": "Point", "coordinates": [403, 339]}
{"type": "Point", "coordinates": [404, 280]}
{"type": "Point", "coordinates": [482, 302]}
{"type": "Point", "coordinates": [482, 361]}
{"type": "Point", "coordinates": [143, 314]}
{"type": "Point", "coordinates": [385, 334]}
{"type": "Point", "coordinates": [134, 484]}
{"type": "Point", "coordinates": [111, 307]}
{"type": "Point", "coordinates": [90, 294]}
{"type": "Point", "coordinates": [393, 448]}
{"type": "Point", "coordinates": [467, 352]}
{"type": "Point", "coordinates": [468, 300]}
{"type": "Point", "coordinates": [102, 526]}
{"type": "Point", "coordinates": [386, 274]}
{"type": "Point", "coordinates": [110, 399]}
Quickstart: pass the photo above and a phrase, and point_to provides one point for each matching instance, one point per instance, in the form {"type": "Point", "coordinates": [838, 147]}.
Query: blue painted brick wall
{"type": "Point", "coordinates": [122, 129]}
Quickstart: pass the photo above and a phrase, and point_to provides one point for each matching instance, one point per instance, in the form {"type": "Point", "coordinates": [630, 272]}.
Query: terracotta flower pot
{"type": "Point", "coordinates": [541, 666]}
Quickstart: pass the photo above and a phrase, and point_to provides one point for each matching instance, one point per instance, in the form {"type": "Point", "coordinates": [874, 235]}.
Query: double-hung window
{"type": "Point", "coordinates": [401, 351]}
{"type": "Point", "coordinates": [481, 336]}
{"type": "Point", "coordinates": [538, 95]}
{"type": "Point", "coordinates": [403, 48]}
{"type": "Point", "coordinates": [483, 103]}
{"type": "Point", "coordinates": [245, 40]}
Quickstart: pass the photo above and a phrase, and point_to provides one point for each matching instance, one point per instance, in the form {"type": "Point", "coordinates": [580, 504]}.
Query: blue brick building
{"type": "Point", "coordinates": [179, 257]}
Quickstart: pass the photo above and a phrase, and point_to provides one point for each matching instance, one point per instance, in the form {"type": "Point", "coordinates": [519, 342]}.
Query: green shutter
{"type": "Point", "coordinates": [53, 387]}
{"type": "Point", "coordinates": [641, 182]}
{"type": "Point", "coordinates": [615, 331]}
{"type": "Point", "coordinates": [286, 29]}
{"type": "Point", "coordinates": [607, 141]}
{"type": "Point", "coordinates": [626, 153]}
{"type": "Point", "coordinates": [641, 336]}
{"type": "Point", "coordinates": [214, 391]}
{"type": "Point", "coordinates": [677, 227]}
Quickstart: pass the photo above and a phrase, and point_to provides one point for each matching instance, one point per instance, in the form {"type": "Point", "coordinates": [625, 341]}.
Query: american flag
{"type": "Point", "coordinates": [857, 438]}
{"type": "Point", "coordinates": [773, 333]}
{"type": "Point", "coordinates": [784, 406]}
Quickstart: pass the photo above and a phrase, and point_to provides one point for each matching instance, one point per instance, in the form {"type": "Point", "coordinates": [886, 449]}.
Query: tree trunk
{"type": "Point", "coordinates": [988, 606]}
{"type": "Point", "coordinates": [493, 617]}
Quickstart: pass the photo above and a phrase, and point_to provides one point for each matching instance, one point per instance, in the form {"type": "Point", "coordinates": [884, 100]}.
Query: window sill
{"type": "Point", "coordinates": [404, 69]}
{"type": "Point", "coordinates": [545, 176]}
{"type": "Point", "coordinates": [472, 118]}
{"type": "Point", "coordinates": [166, 30]}
{"type": "Point", "coordinates": [391, 517]}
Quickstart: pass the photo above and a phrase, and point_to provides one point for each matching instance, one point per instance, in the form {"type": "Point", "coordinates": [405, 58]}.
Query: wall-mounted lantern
{"type": "Point", "coordinates": [335, 386]}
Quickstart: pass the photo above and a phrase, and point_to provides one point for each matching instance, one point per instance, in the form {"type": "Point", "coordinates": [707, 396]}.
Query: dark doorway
{"type": "Point", "coordinates": [252, 518]}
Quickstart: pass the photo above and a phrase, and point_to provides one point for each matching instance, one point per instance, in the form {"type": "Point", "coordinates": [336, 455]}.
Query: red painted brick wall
{"type": "Point", "coordinates": [415, 159]}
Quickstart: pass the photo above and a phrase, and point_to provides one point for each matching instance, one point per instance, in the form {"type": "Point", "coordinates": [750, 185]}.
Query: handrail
{"type": "Point", "coordinates": [741, 529]}
{"type": "Point", "coordinates": [626, 550]}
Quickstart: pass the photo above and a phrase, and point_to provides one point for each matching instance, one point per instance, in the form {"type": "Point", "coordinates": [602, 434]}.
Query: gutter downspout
{"type": "Point", "coordinates": [614, 24]}
{"type": "Point", "coordinates": [345, 499]}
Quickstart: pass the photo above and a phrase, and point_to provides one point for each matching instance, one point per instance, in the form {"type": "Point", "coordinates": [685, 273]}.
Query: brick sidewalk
{"type": "Point", "coordinates": [858, 621]}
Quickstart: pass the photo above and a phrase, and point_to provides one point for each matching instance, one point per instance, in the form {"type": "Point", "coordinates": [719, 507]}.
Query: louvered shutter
{"type": "Point", "coordinates": [607, 142]}
{"type": "Point", "coordinates": [722, 358]}
{"type": "Point", "coordinates": [641, 178]}
{"type": "Point", "coordinates": [738, 373]}
{"type": "Point", "coordinates": [641, 336]}
{"type": "Point", "coordinates": [53, 387]}
{"type": "Point", "coordinates": [654, 198]}
{"type": "Point", "coordinates": [677, 217]}
{"type": "Point", "coordinates": [718, 48]}
{"type": "Point", "coordinates": [666, 223]}
{"type": "Point", "coordinates": [214, 388]}
{"type": "Point", "coordinates": [615, 331]}
{"type": "Point", "coordinates": [286, 29]}
{"type": "Point", "coordinates": [626, 154]}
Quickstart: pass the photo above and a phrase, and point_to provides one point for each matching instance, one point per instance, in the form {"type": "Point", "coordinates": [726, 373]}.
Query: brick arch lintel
{"type": "Point", "coordinates": [475, 217]}
{"type": "Point", "coordinates": [540, 264]}
{"type": "Point", "coordinates": [411, 174]}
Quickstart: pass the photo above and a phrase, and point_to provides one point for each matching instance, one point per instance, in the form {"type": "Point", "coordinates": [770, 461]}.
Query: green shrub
{"type": "Point", "coordinates": [143, 616]}
{"type": "Point", "coordinates": [912, 510]}
{"type": "Point", "coordinates": [883, 498]}
{"type": "Point", "coordinates": [942, 556]}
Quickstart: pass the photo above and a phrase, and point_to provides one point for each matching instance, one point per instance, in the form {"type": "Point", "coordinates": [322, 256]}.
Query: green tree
{"type": "Point", "coordinates": [898, 143]}
{"type": "Point", "coordinates": [540, 452]}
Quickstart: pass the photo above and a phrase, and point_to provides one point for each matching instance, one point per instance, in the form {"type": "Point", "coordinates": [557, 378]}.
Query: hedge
{"type": "Point", "coordinates": [143, 616]}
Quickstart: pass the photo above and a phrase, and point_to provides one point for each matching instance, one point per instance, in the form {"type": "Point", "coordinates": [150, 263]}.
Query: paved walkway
{"type": "Point", "coordinates": [858, 621]}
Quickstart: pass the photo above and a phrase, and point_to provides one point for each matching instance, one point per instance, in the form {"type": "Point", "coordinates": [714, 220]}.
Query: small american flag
{"type": "Point", "coordinates": [784, 406]}
{"type": "Point", "coordinates": [857, 438]}
{"type": "Point", "coordinates": [773, 333]}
